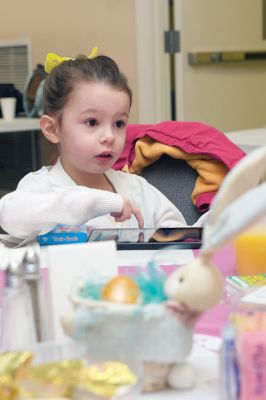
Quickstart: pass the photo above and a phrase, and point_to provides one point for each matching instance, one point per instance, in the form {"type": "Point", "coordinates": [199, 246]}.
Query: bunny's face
{"type": "Point", "coordinates": [197, 285]}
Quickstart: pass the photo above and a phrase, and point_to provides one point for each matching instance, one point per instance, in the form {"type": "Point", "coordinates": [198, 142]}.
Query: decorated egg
{"type": "Point", "coordinates": [121, 289]}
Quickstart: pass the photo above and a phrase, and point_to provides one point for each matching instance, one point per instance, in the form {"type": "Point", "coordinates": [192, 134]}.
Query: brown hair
{"type": "Point", "coordinates": [62, 79]}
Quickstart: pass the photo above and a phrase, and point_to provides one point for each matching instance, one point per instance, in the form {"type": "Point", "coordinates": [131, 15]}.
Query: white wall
{"type": "Point", "coordinates": [73, 27]}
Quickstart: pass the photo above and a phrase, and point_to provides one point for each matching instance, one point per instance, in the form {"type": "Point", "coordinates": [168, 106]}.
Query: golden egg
{"type": "Point", "coordinates": [121, 289]}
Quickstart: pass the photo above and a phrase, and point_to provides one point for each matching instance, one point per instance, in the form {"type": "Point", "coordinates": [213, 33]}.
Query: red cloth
{"type": "Point", "coordinates": [192, 137]}
{"type": "Point", "coordinates": [204, 200]}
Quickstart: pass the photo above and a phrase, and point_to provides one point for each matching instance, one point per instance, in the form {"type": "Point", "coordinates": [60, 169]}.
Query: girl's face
{"type": "Point", "coordinates": [92, 132]}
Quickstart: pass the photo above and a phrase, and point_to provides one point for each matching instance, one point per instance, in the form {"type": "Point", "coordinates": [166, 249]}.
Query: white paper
{"type": "Point", "coordinates": [129, 258]}
{"type": "Point", "coordinates": [257, 296]}
{"type": "Point", "coordinates": [208, 342]}
{"type": "Point", "coordinates": [69, 263]}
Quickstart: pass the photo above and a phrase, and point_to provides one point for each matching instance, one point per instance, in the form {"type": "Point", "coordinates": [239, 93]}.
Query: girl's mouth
{"type": "Point", "coordinates": [105, 156]}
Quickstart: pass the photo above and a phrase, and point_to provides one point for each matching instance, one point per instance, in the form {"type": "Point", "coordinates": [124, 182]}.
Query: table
{"type": "Point", "coordinates": [248, 138]}
{"type": "Point", "coordinates": [23, 125]}
{"type": "Point", "coordinates": [204, 357]}
{"type": "Point", "coordinates": [19, 124]}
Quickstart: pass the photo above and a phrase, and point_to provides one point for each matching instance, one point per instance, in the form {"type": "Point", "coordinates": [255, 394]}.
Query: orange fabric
{"type": "Point", "coordinates": [211, 172]}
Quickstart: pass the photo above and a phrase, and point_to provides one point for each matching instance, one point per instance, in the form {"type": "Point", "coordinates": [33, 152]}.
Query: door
{"type": "Point", "coordinates": [228, 95]}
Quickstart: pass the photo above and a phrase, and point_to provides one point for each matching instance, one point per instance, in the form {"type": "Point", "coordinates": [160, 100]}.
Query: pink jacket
{"type": "Point", "coordinates": [192, 137]}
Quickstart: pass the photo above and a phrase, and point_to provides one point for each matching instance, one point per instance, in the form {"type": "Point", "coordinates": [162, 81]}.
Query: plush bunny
{"type": "Point", "coordinates": [199, 286]}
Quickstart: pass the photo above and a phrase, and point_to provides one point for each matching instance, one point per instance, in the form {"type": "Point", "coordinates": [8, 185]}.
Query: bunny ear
{"type": "Point", "coordinates": [236, 201]}
{"type": "Point", "coordinates": [247, 174]}
{"type": "Point", "coordinates": [235, 218]}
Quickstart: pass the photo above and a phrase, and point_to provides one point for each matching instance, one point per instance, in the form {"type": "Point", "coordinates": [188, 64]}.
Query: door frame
{"type": "Point", "coordinates": [153, 68]}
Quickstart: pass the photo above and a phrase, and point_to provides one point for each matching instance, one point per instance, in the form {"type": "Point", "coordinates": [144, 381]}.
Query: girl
{"type": "Point", "coordinates": [87, 103]}
{"type": "Point", "coordinates": [86, 109]}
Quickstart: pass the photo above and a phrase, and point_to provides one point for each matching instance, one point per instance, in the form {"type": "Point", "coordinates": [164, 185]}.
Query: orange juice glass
{"type": "Point", "coordinates": [250, 251]}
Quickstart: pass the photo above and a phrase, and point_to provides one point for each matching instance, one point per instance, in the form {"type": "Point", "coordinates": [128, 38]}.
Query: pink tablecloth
{"type": "Point", "coordinates": [213, 321]}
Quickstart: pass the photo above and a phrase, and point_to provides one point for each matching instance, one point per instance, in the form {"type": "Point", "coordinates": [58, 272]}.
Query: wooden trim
{"type": "Point", "coordinates": [179, 64]}
{"type": "Point", "coordinates": [152, 62]}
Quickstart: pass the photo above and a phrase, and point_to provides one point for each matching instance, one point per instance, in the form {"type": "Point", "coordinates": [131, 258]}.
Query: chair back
{"type": "Point", "coordinates": [176, 180]}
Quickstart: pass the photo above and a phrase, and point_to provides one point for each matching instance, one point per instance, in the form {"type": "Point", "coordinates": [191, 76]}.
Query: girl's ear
{"type": "Point", "coordinates": [49, 127]}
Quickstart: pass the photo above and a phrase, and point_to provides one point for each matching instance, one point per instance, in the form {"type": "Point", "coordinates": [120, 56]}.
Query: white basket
{"type": "Point", "coordinates": [148, 331]}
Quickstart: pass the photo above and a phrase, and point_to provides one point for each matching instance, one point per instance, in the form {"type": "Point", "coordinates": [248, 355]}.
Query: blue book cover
{"type": "Point", "coordinates": [64, 234]}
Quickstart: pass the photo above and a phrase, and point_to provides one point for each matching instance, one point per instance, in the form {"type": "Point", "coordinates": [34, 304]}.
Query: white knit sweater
{"type": "Point", "coordinates": [49, 196]}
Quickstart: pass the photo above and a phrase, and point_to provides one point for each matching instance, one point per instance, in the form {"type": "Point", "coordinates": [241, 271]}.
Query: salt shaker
{"type": "Point", "coordinates": [17, 324]}
{"type": "Point", "coordinates": [40, 302]}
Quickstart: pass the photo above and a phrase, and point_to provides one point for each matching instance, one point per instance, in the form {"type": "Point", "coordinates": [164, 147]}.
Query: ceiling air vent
{"type": "Point", "coordinates": [14, 63]}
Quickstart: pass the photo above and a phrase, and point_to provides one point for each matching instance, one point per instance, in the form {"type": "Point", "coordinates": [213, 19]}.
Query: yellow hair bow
{"type": "Point", "coordinates": [52, 59]}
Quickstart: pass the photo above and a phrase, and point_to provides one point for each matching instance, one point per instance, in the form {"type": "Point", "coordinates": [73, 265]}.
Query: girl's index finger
{"type": "Point", "coordinates": [139, 217]}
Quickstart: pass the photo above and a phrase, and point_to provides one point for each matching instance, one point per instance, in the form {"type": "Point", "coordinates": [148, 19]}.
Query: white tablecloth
{"type": "Point", "coordinates": [205, 360]}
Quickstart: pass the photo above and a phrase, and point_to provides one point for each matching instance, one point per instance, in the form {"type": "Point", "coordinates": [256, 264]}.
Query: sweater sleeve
{"type": "Point", "coordinates": [39, 207]}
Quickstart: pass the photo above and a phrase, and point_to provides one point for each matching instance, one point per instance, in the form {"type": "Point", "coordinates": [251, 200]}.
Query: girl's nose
{"type": "Point", "coordinates": [108, 135]}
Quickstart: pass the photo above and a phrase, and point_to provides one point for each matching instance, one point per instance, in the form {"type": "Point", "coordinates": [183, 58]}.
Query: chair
{"type": "Point", "coordinates": [176, 180]}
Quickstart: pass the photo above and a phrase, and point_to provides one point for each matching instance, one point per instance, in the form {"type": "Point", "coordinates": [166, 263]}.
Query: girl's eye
{"type": "Point", "coordinates": [91, 122]}
{"type": "Point", "coordinates": [120, 124]}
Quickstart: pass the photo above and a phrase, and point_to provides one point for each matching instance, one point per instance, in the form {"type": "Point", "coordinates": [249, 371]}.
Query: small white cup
{"type": "Point", "coordinates": [8, 107]}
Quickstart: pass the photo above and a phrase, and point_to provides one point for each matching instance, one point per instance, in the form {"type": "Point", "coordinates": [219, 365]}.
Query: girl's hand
{"type": "Point", "coordinates": [128, 210]}
{"type": "Point", "coordinates": [183, 313]}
